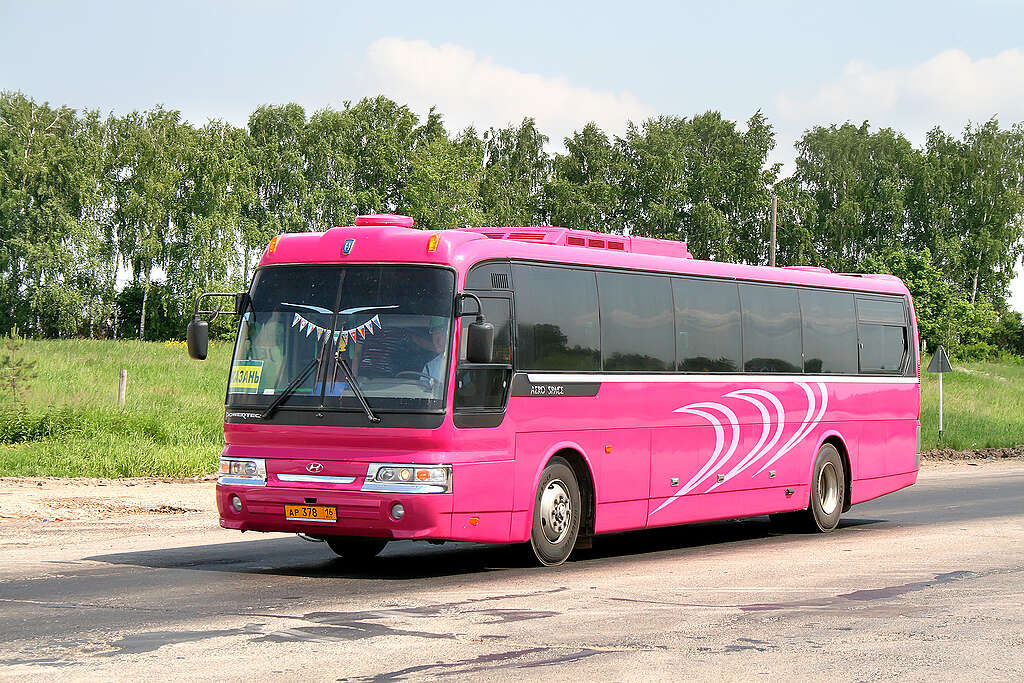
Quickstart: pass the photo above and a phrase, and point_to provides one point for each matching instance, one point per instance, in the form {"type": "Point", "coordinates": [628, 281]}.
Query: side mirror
{"type": "Point", "coordinates": [241, 302]}
{"type": "Point", "coordinates": [480, 335]}
{"type": "Point", "coordinates": [480, 341]}
{"type": "Point", "coordinates": [198, 338]}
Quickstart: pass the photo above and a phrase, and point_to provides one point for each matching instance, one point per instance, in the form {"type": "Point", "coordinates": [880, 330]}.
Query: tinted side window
{"type": "Point", "coordinates": [636, 322]}
{"type": "Point", "coordinates": [480, 388]}
{"type": "Point", "coordinates": [557, 324]}
{"type": "Point", "coordinates": [882, 348]}
{"type": "Point", "coordinates": [771, 329]}
{"type": "Point", "coordinates": [829, 332]}
{"type": "Point", "coordinates": [499, 314]}
{"type": "Point", "coordinates": [880, 311]}
{"type": "Point", "coordinates": [707, 325]}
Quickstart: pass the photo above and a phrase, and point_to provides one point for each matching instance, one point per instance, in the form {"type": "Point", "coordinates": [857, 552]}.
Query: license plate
{"type": "Point", "coordinates": [311, 513]}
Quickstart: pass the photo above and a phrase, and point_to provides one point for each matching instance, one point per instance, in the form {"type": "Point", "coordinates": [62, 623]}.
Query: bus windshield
{"type": "Point", "coordinates": [390, 324]}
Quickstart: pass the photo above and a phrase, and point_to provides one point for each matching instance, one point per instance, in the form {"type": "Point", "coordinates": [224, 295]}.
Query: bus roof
{"type": "Point", "coordinates": [383, 239]}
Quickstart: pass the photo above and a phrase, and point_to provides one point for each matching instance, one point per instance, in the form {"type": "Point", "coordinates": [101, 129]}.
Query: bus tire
{"type": "Point", "coordinates": [556, 514]}
{"type": "Point", "coordinates": [828, 491]}
{"type": "Point", "coordinates": [356, 548]}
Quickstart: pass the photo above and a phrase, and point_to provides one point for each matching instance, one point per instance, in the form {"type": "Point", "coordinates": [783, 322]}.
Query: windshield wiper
{"type": "Point", "coordinates": [339, 361]}
{"type": "Point", "coordinates": [290, 389]}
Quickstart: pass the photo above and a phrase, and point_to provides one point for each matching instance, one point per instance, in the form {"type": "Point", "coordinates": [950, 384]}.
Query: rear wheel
{"type": "Point", "coordinates": [828, 494]}
{"type": "Point", "coordinates": [828, 491]}
{"type": "Point", "coordinates": [556, 513]}
{"type": "Point", "coordinates": [356, 548]}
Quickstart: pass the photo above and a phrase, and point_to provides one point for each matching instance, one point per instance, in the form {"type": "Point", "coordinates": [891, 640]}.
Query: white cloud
{"type": "Point", "coordinates": [948, 90]}
{"type": "Point", "coordinates": [471, 89]}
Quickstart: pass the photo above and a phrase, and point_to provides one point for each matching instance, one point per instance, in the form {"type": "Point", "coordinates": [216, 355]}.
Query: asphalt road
{"type": "Point", "coordinates": [928, 581]}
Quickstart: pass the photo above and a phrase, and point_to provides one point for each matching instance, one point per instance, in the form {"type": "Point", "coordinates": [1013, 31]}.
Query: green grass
{"type": "Point", "coordinates": [983, 406]}
{"type": "Point", "coordinates": [70, 424]}
{"type": "Point", "coordinates": [171, 425]}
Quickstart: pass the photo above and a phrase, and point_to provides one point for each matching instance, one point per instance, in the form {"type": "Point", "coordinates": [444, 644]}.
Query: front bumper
{"type": "Point", "coordinates": [360, 513]}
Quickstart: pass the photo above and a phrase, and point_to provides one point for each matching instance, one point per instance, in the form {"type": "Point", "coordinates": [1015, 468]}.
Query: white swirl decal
{"type": "Point", "coordinates": [764, 446]}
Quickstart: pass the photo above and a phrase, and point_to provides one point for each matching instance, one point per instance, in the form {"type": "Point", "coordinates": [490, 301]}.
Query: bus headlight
{"type": "Point", "coordinates": [243, 472]}
{"type": "Point", "coordinates": [398, 478]}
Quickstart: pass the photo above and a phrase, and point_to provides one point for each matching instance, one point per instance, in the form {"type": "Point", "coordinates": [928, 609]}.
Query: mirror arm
{"type": "Point", "coordinates": [480, 317]}
{"type": "Point", "coordinates": [237, 296]}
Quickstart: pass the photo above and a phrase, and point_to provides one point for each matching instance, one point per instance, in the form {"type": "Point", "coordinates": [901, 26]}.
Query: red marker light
{"type": "Point", "coordinates": [386, 219]}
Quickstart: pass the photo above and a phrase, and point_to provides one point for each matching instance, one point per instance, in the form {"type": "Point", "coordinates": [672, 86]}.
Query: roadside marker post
{"type": "Point", "coordinates": [122, 387]}
{"type": "Point", "coordinates": [940, 364]}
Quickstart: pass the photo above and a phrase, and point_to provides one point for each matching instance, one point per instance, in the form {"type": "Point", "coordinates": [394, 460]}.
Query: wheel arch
{"type": "Point", "coordinates": [575, 455]}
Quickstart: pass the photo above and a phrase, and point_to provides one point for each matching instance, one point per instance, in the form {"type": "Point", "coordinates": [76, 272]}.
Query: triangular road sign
{"type": "Point", "coordinates": [940, 361]}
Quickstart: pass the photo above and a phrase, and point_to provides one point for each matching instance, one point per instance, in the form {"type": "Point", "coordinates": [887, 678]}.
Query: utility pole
{"type": "Point", "coordinates": [775, 207]}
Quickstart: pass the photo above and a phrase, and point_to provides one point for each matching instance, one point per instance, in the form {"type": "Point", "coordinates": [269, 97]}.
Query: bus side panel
{"type": "Point", "coordinates": [874, 442]}
{"type": "Point", "coordinates": [483, 501]}
{"type": "Point", "coordinates": [867, 489]}
{"type": "Point", "coordinates": [621, 477]}
{"type": "Point", "coordinates": [688, 461]}
{"type": "Point", "coordinates": [901, 447]}
{"type": "Point", "coordinates": [727, 505]}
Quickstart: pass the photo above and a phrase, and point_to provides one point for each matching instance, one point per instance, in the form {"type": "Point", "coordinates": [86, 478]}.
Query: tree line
{"type": "Point", "coordinates": [109, 225]}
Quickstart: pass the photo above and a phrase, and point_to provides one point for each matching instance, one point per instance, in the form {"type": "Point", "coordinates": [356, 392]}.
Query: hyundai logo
{"type": "Point", "coordinates": [314, 467]}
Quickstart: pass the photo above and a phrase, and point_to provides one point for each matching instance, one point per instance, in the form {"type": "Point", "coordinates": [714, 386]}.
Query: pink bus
{"type": "Point", "coordinates": [546, 385]}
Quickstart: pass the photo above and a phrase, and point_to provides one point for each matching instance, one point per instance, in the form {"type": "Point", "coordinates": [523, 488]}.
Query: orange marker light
{"type": "Point", "coordinates": [432, 244]}
{"type": "Point", "coordinates": [473, 521]}
{"type": "Point", "coordinates": [422, 475]}
{"type": "Point", "coordinates": [273, 244]}
{"type": "Point", "coordinates": [607, 449]}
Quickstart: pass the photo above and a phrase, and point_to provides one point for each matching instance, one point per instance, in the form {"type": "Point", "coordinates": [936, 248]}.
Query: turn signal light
{"type": "Point", "coordinates": [432, 244]}
{"type": "Point", "coordinates": [273, 244]}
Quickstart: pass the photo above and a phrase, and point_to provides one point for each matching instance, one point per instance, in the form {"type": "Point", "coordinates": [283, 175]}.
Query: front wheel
{"type": "Point", "coordinates": [556, 514]}
{"type": "Point", "coordinates": [356, 548]}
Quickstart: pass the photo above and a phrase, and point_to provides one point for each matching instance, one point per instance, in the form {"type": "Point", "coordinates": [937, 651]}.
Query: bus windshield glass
{"type": "Point", "coordinates": [391, 325]}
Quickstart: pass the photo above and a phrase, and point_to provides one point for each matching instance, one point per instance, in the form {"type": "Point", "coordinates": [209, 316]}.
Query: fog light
{"type": "Point", "coordinates": [236, 503]}
{"type": "Point", "coordinates": [398, 511]}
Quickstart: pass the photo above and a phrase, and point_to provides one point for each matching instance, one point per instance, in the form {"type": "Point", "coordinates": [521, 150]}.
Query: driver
{"type": "Point", "coordinates": [435, 344]}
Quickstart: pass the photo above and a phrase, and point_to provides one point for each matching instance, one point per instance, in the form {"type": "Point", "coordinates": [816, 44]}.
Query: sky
{"type": "Point", "coordinates": [907, 65]}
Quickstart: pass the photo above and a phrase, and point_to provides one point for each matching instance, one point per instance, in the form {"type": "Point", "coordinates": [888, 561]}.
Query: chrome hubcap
{"type": "Point", "coordinates": [828, 488]}
{"type": "Point", "coordinates": [555, 512]}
